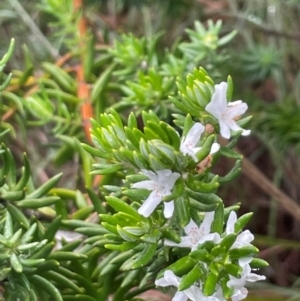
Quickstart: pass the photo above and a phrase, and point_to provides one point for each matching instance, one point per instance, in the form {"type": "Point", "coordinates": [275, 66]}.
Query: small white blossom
{"type": "Point", "coordinates": [197, 235]}
{"type": "Point", "coordinates": [243, 239]}
{"type": "Point", "coordinates": [193, 293]}
{"type": "Point", "coordinates": [188, 143]}
{"type": "Point", "coordinates": [240, 292]}
{"type": "Point", "coordinates": [226, 113]}
{"type": "Point", "coordinates": [161, 183]}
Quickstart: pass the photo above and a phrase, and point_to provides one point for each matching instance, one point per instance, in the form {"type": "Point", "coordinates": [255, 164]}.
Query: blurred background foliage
{"type": "Point", "coordinates": [145, 45]}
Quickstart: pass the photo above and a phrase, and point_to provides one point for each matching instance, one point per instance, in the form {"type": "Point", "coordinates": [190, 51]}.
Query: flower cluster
{"type": "Point", "coordinates": [243, 239]}
{"type": "Point", "coordinates": [194, 292]}
{"type": "Point", "coordinates": [162, 183]}
{"type": "Point", "coordinates": [197, 236]}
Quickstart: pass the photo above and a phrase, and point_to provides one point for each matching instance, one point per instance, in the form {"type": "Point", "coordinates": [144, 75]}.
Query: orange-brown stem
{"type": "Point", "coordinates": [83, 91]}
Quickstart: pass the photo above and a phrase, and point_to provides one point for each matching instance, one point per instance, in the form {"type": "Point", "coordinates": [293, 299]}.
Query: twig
{"type": "Point", "coordinates": [256, 176]}
{"type": "Point", "coordinates": [32, 26]}
{"type": "Point", "coordinates": [252, 172]}
{"type": "Point", "coordinates": [83, 91]}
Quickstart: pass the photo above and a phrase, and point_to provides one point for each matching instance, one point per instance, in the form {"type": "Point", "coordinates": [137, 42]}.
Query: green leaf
{"type": "Point", "coordinates": [121, 206]}
{"type": "Point", "coordinates": [145, 256]}
{"type": "Point", "coordinates": [97, 202]}
{"type": "Point", "coordinates": [8, 227]}
{"type": "Point", "coordinates": [190, 278]}
{"type": "Point", "coordinates": [101, 83]}
{"type": "Point", "coordinates": [206, 148]}
{"type": "Point", "coordinates": [217, 224]}
{"type": "Point", "coordinates": [234, 269]}
{"type": "Point", "coordinates": [15, 263]}
{"type": "Point", "coordinates": [230, 153]}
{"type": "Point", "coordinates": [176, 191]}
{"type": "Point", "coordinates": [181, 267]}
{"type": "Point", "coordinates": [45, 188]}
{"type": "Point", "coordinates": [233, 173]}
{"type": "Point", "coordinates": [197, 185]}
{"type": "Point", "coordinates": [46, 286]}
{"type": "Point", "coordinates": [126, 235]}
{"type": "Point", "coordinates": [228, 241]}
{"type": "Point", "coordinates": [62, 280]}
{"type": "Point", "coordinates": [18, 215]}
{"type": "Point", "coordinates": [25, 175]}
{"type": "Point", "coordinates": [210, 283]}
{"type": "Point", "coordinates": [258, 263]}
{"type": "Point", "coordinates": [242, 221]}
{"type": "Point", "coordinates": [27, 262]}
{"type": "Point", "coordinates": [130, 278]}
{"type": "Point", "coordinates": [37, 203]}
{"type": "Point", "coordinates": [247, 251]}
{"type": "Point", "coordinates": [63, 255]}
{"type": "Point", "coordinates": [125, 246]}
{"type": "Point", "coordinates": [170, 234]}
{"type": "Point", "coordinates": [182, 210]}
{"type": "Point", "coordinates": [205, 198]}
{"type": "Point", "coordinates": [52, 229]}
{"type": "Point", "coordinates": [203, 207]}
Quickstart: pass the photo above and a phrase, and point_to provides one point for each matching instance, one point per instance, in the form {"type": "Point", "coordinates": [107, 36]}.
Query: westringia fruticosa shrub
{"type": "Point", "coordinates": [161, 222]}
{"type": "Point", "coordinates": [168, 225]}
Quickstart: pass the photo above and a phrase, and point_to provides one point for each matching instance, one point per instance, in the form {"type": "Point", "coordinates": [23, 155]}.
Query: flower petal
{"type": "Point", "coordinates": [231, 222]}
{"type": "Point", "coordinates": [162, 174]}
{"type": "Point", "coordinates": [214, 237]}
{"type": "Point", "coordinates": [206, 224]}
{"type": "Point", "coordinates": [188, 143]}
{"type": "Point", "coordinates": [245, 237]}
{"type": "Point", "coordinates": [245, 260]}
{"type": "Point", "coordinates": [150, 174]}
{"type": "Point", "coordinates": [147, 184]}
{"type": "Point", "coordinates": [224, 129]}
{"type": "Point", "coordinates": [190, 227]}
{"type": "Point", "coordinates": [172, 278]}
{"type": "Point", "coordinates": [169, 181]}
{"type": "Point", "coordinates": [169, 279]}
{"type": "Point", "coordinates": [218, 101]}
{"type": "Point", "coordinates": [237, 282]}
{"type": "Point", "coordinates": [150, 204]}
{"type": "Point", "coordinates": [162, 282]}
{"type": "Point", "coordinates": [194, 134]}
{"type": "Point", "coordinates": [236, 109]}
{"type": "Point", "coordinates": [214, 148]}
{"type": "Point", "coordinates": [180, 296]}
{"type": "Point", "coordinates": [168, 209]}
{"type": "Point", "coordinates": [233, 125]}
{"type": "Point", "coordinates": [194, 293]}
{"type": "Point", "coordinates": [254, 277]}
{"type": "Point", "coordinates": [240, 294]}
{"type": "Point", "coordinates": [246, 132]}
{"type": "Point", "coordinates": [185, 242]}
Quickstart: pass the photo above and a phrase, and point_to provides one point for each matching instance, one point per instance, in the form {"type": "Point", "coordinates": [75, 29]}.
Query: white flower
{"type": "Point", "coordinates": [240, 292]}
{"type": "Point", "coordinates": [226, 113]}
{"type": "Point", "coordinates": [188, 143]}
{"type": "Point", "coordinates": [161, 183]}
{"type": "Point", "coordinates": [242, 240]}
{"type": "Point", "coordinates": [193, 293]}
{"type": "Point", "coordinates": [197, 235]}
